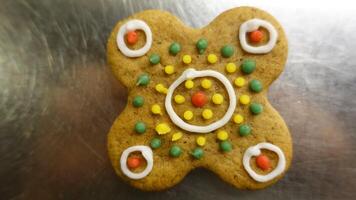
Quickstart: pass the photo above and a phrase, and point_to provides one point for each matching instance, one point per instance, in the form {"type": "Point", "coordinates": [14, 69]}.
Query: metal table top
{"type": "Point", "coordinates": [59, 99]}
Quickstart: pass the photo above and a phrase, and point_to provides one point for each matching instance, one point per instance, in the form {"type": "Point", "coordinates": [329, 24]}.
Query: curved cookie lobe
{"type": "Point", "coordinates": [266, 127]}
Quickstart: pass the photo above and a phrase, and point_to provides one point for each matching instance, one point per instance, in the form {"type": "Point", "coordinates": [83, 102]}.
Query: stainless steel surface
{"type": "Point", "coordinates": [59, 99]}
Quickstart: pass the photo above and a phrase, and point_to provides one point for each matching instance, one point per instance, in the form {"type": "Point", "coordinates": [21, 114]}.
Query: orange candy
{"type": "Point", "coordinates": [133, 162]}
{"type": "Point", "coordinates": [199, 99]}
{"type": "Point", "coordinates": [256, 36]}
{"type": "Point", "coordinates": [131, 37]}
{"type": "Point", "coordinates": [262, 162]}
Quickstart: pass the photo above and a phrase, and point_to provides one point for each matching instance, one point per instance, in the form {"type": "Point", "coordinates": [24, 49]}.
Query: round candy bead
{"type": "Point", "coordinates": [177, 136]}
{"type": "Point", "coordinates": [154, 59]}
{"type": "Point", "coordinates": [218, 99]}
{"type": "Point", "coordinates": [188, 115]}
{"type": "Point", "coordinates": [201, 140]}
{"type": "Point", "coordinates": [212, 58]}
{"type": "Point", "coordinates": [239, 81]}
{"type": "Point", "coordinates": [187, 59]}
{"type": "Point", "coordinates": [225, 146]}
{"type": "Point", "coordinates": [263, 162]}
{"type": "Point", "coordinates": [179, 99]}
{"type": "Point", "coordinates": [161, 88]}
{"type": "Point", "coordinates": [143, 79]}
{"type": "Point", "coordinates": [133, 162]}
{"type": "Point", "coordinates": [155, 143]}
{"type": "Point", "coordinates": [202, 44]}
{"type": "Point", "coordinates": [248, 66]}
{"type": "Point", "coordinates": [140, 127]}
{"type": "Point", "coordinates": [227, 51]}
{"type": "Point", "coordinates": [175, 48]}
{"type": "Point", "coordinates": [244, 99]}
{"type": "Point", "coordinates": [175, 151]}
{"type": "Point", "coordinates": [162, 129]}
{"type": "Point", "coordinates": [207, 114]}
{"type": "Point", "coordinates": [230, 67]}
{"type": "Point", "coordinates": [138, 101]}
{"type": "Point", "coordinates": [256, 85]}
{"type": "Point", "coordinates": [244, 130]}
{"type": "Point", "coordinates": [156, 109]}
{"type": "Point", "coordinates": [256, 36]}
{"type": "Point", "coordinates": [131, 37]}
{"type": "Point", "coordinates": [256, 108]}
{"type": "Point", "coordinates": [198, 153]}
{"type": "Point", "coordinates": [169, 69]}
{"type": "Point", "coordinates": [206, 83]}
{"type": "Point", "coordinates": [189, 84]}
{"type": "Point", "coordinates": [199, 99]}
{"type": "Point", "coordinates": [222, 135]}
{"type": "Point", "coordinates": [238, 119]}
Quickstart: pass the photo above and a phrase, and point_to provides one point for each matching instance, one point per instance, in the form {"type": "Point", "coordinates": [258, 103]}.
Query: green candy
{"type": "Point", "coordinates": [198, 153]}
{"type": "Point", "coordinates": [256, 85]}
{"type": "Point", "coordinates": [244, 130]}
{"type": "Point", "coordinates": [140, 127]}
{"type": "Point", "coordinates": [227, 51]}
{"type": "Point", "coordinates": [256, 108]}
{"type": "Point", "coordinates": [138, 101]}
{"type": "Point", "coordinates": [175, 151]}
{"type": "Point", "coordinates": [202, 44]}
{"type": "Point", "coordinates": [154, 59]}
{"type": "Point", "coordinates": [155, 143]}
{"type": "Point", "coordinates": [225, 146]}
{"type": "Point", "coordinates": [143, 79]}
{"type": "Point", "coordinates": [175, 48]}
{"type": "Point", "coordinates": [248, 66]}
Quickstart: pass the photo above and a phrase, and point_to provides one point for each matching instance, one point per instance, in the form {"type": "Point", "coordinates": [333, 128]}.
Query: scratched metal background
{"type": "Point", "coordinates": [58, 100]}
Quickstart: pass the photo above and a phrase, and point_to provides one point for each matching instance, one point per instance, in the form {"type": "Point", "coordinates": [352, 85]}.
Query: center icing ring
{"type": "Point", "coordinates": [191, 74]}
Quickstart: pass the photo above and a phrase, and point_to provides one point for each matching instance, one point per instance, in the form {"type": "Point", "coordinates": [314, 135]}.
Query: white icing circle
{"type": "Point", "coordinates": [254, 24]}
{"type": "Point", "coordinates": [191, 74]}
{"type": "Point", "coordinates": [133, 25]}
{"type": "Point", "coordinates": [255, 151]}
{"type": "Point", "coordinates": [146, 153]}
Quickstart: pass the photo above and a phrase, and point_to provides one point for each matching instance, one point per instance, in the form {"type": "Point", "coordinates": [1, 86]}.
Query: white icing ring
{"type": "Point", "coordinates": [255, 151]}
{"type": "Point", "coordinates": [191, 74]}
{"type": "Point", "coordinates": [133, 25]}
{"type": "Point", "coordinates": [254, 24]}
{"type": "Point", "coordinates": [146, 153]}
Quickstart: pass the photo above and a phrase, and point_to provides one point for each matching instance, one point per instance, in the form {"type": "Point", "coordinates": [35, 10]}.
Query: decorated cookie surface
{"type": "Point", "coordinates": [197, 98]}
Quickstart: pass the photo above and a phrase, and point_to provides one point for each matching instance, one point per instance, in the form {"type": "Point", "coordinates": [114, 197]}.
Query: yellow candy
{"type": "Point", "coordinates": [201, 141]}
{"type": "Point", "coordinates": [230, 67]}
{"type": "Point", "coordinates": [238, 119]}
{"type": "Point", "coordinates": [187, 59]}
{"type": "Point", "coordinates": [179, 99]}
{"type": "Point", "coordinates": [156, 109]}
{"type": "Point", "coordinates": [244, 99]}
{"type": "Point", "coordinates": [177, 136]}
{"type": "Point", "coordinates": [189, 84]}
{"type": "Point", "coordinates": [161, 88]}
{"type": "Point", "coordinates": [206, 84]}
{"type": "Point", "coordinates": [218, 99]}
{"type": "Point", "coordinates": [239, 81]}
{"type": "Point", "coordinates": [207, 114]}
{"type": "Point", "coordinates": [222, 135]}
{"type": "Point", "coordinates": [188, 115]}
{"type": "Point", "coordinates": [169, 69]}
{"type": "Point", "coordinates": [162, 129]}
{"type": "Point", "coordinates": [212, 58]}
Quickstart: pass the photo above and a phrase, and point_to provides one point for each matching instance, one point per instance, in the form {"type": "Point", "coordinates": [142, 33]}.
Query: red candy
{"type": "Point", "coordinates": [256, 36]}
{"type": "Point", "coordinates": [262, 162]}
{"type": "Point", "coordinates": [133, 162]}
{"type": "Point", "coordinates": [199, 99]}
{"type": "Point", "coordinates": [131, 37]}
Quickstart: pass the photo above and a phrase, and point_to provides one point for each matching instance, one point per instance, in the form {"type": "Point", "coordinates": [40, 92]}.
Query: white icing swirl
{"type": "Point", "coordinates": [146, 153]}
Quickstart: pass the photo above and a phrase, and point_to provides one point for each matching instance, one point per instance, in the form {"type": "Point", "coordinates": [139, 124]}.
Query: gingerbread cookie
{"type": "Point", "coordinates": [198, 98]}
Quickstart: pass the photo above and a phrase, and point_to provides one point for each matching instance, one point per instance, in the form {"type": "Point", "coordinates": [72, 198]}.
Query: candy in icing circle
{"type": "Point", "coordinates": [252, 25]}
{"type": "Point", "coordinates": [146, 153]}
{"type": "Point", "coordinates": [255, 151]}
{"type": "Point", "coordinates": [191, 74]}
{"type": "Point", "coordinates": [133, 25]}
